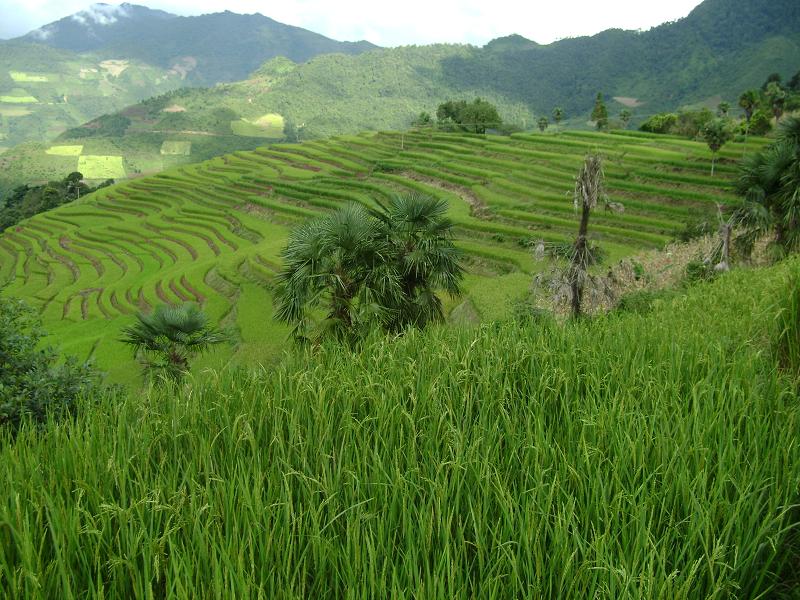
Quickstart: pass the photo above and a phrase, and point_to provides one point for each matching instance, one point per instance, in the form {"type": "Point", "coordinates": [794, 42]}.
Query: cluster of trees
{"type": "Point", "coordinates": [459, 115]}
{"type": "Point", "coordinates": [760, 108]}
{"type": "Point", "coordinates": [25, 201]}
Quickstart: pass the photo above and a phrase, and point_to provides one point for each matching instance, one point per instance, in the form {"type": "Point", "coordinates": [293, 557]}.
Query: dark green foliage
{"type": "Point", "coordinates": [366, 268]}
{"type": "Point", "coordinates": [625, 116]}
{"type": "Point", "coordinates": [475, 117]}
{"type": "Point", "coordinates": [699, 270]}
{"type": "Point", "coordinates": [760, 122]}
{"type": "Point", "coordinates": [771, 78]}
{"type": "Point", "coordinates": [543, 123]}
{"type": "Point", "coordinates": [699, 224]}
{"type": "Point", "coordinates": [769, 184]}
{"type": "Point", "coordinates": [34, 382]}
{"type": "Point", "coordinates": [600, 113]}
{"type": "Point", "coordinates": [25, 201]}
{"type": "Point", "coordinates": [290, 133]}
{"type": "Point", "coordinates": [106, 126]}
{"type": "Point", "coordinates": [167, 339]}
{"type": "Point", "coordinates": [424, 119]}
{"type": "Point", "coordinates": [660, 123]}
{"type": "Point", "coordinates": [794, 82]}
{"type": "Point", "coordinates": [643, 301]}
{"type": "Point", "coordinates": [558, 115]}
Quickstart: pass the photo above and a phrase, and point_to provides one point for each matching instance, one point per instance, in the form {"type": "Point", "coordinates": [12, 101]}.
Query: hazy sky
{"type": "Point", "coordinates": [397, 23]}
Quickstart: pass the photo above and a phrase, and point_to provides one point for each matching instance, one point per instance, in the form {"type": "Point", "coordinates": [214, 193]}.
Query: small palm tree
{"type": "Point", "coordinates": [168, 338]}
{"type": "Point", "coordinates": [424, 258]}
{"type": "Point", "coordinates": [359, 268]}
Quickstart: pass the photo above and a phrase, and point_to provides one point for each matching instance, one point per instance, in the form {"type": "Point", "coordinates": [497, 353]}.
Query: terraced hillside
{"type": "Point", "coordinates": [213, 232]}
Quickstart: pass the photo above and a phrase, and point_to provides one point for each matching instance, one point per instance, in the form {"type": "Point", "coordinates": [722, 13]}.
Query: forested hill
{"type": "Point", "coordinates": [211, 48]}
{"type": "Point", "coordinates": [722, 48]}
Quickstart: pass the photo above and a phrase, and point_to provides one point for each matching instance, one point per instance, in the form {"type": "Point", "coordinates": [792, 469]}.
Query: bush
{"type": "Point", "coordinates": [642, 302]}
{"type": "Point", "coordinates": [34, 383]}
{"type": "Point", "coordinates": [660, 123]}
{"type": "Point", "coordinates": [699, 270]}
{"type": "Point", "coordinates": [760, 123]}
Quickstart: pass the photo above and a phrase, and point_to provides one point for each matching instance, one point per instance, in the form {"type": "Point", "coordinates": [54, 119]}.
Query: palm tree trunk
{"type": "Point", "coordinates": [579, 263]}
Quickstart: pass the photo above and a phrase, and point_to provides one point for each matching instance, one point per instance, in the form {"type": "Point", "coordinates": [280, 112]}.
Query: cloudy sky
{"type": "Point", "coordinates": [398, 23]}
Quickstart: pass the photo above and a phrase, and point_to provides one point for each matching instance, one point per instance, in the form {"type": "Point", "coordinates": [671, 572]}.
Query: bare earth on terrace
{"type": "Point", "coordinates": [629, 102]}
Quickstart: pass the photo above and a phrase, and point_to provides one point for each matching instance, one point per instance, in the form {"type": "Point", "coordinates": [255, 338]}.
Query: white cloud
{"type": "Point", "coordinates": [392, 23]}
{"type": "Point", "coordinates": [100, 14]}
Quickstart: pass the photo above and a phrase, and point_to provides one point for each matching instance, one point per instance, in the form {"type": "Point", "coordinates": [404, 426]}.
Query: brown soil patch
{"type": "Point", "coordinates": [629, 102]}
{"type": "Point", "coordinates": [478, 207]}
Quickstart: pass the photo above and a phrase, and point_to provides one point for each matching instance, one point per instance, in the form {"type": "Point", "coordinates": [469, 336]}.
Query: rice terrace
{"type": "Point", "coordinates": [212, 233]}
{"type": "Point", "coordinates": [284, 316]}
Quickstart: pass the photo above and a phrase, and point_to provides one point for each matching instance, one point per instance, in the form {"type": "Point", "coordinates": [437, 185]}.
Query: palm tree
{"type": "Point", "coordinates": [748, 101]}
{"type": "Point", "coordinates": [769, 182]}
{"type": "Point", "coordinates": [543, 123]}
{"type": "Point", "coordinates": [168, 338]}
{"type": "Point", "coordinates": [363, 268]}
{"type": "Point", "coordinates": [558, 115]}
{"type": "Point", "coordinates": [424, 258]}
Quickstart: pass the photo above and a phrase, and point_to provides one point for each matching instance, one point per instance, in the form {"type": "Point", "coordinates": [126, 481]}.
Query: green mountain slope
{"type": "Point", "coordinates": [720, 49]}
{"type": "Point", "coordinates": [44, 91]}
{"type": "Point", "coordinates": [214, 47]}
{"type": "Point", "coordinates": [213, 232]}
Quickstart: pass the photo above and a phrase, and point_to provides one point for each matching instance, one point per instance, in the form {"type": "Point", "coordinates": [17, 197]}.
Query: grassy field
{"type": "Point", "coordinates": [213, 232]}
{"type": "Point", "coordinates": [627, 457]}
{"type": "Point", "coordinates": [101, 167]}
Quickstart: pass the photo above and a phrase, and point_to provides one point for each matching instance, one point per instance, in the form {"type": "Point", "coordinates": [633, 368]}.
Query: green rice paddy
{"type": "Point", "coordinates": [18, 99]}
{"type": "Point", "coordinates": [176, 148]}
{"type": "Point", "coordinates": [22, 77]}
{"type": "Point", "coordinates": [213, 232]}
{"type": "Point", "coordinates": [101, 167]}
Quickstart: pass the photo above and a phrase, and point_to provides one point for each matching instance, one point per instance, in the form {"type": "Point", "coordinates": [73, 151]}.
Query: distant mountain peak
{"type": "Point", "coordinates": [96, 16]}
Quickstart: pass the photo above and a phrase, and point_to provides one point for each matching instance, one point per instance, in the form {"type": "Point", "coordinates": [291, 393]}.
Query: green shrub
{"type": "Point", "coordinates": [660, 123]}
{"type": "Point", "coordinates": [34, 383]}
{"type": "Point", "coordinates": [642, 301]}
{"type": "Point", "coordinates": [699, 270]}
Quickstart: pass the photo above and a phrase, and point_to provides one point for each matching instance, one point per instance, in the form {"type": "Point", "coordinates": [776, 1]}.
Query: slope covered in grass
{"type": "Point", "coordinates": [626, 457]}
{"type": "Point", "coordinates": [212, 233]}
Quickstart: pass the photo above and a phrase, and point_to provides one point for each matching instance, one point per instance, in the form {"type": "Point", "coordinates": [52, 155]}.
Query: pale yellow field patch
{"type": "Point", "coordinates": [270, 120]}
{"type": "Point", "coordinates": [175, 108]}
{"type": "Point", "coordinates": [3, 149]}
{"type": "Point", "coordinates": [18, 99]}
{"type": "Point", "coordinates": [14, 111]}
{"type": "Point", "coordinates": [268, 126]}
{"type": "Point", "coordinates": [101, 167]}
{"type": "Point", "coordinates": [64, 150]}
{"type": "Point", "coordinates": [176, 148]}
{"type": "Point", "coordinates": [23, 77]}
{"type": "Point", "coordinates": [115, 67]}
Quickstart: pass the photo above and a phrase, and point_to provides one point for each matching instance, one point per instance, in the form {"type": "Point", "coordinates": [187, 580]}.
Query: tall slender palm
{"type": "Point", "coordinates": [359, 268]}
{"type": "Point", "coordinates": [168, 338]}
{"type": "Point", "coordinates": [748, 101]}
{"type": "Point", "coordinates": [589, 189]}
